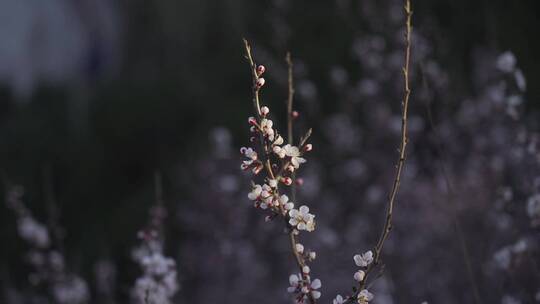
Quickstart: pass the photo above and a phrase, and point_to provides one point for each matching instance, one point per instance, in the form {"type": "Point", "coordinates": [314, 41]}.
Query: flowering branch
{"type": "Point", "coordinates": [49, 265]}
{"type": "Point", "coordinates": [279, 163]}
{"type": "Point", "coordinates": [158, 283]}
{"type": "Point", "coordinates": [370, 260]}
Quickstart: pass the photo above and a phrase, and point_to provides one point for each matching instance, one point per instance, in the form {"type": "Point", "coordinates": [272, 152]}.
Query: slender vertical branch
{"type": "Point", "coordinates": [290, 118]}
{"type": "Point", "coordinates": [290, 97]}
{"type": "Point", "coordinates": [299, 258]}
{"type": "Point", "coordinates": [158, 210]}
{"type": "Point", "coordinates": [256, 103]}
{"type": "Point", "coordinates": [402, 149]}
{"type": "Point", "coordinates": [52, 205]}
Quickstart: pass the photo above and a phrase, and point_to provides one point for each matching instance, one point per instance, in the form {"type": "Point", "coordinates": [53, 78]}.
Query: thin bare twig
{"type": "Point", "coordinates": [402, 148]}
{"type": "Point", "coordinates": [290, 117]}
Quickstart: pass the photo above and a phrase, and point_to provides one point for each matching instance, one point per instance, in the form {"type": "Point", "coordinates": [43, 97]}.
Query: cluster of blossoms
{"type": "Point", "coordinates": [363, 296]}
{"type": "Point", "coordinates": [49, 266]}
{"type": "Point", "coordinates": [363, 261]}
{"type": "Point", "coordinates": [158, 283]}
{"type": "Point", "coordinates": [303, 287]}
{"type": "Point", "coordinates": [280, 161]}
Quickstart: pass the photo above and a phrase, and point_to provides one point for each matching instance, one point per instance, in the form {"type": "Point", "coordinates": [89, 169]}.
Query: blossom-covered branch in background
{"type": "Point", "coordinates": [158, 283]}
{"type": "Point", "coordinates": [278, 162]}
{"type": "Point", "coordinates": [49, 270]}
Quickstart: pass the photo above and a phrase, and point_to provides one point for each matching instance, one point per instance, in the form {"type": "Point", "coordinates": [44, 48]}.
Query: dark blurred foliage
{"type": "Point", "coordinates": [148, 98]}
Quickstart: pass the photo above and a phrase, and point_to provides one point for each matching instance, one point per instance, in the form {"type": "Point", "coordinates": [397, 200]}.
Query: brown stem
{"type": "Point", "coordinates": [402, 147]}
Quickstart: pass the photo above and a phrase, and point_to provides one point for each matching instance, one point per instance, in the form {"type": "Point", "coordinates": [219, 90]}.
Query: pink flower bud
{"type": "Point", "coordinates": [308, 147]}
{"type": "Point", "coordinates": [260, 82]}
{"type": "Point", "coordinates": [295, 114]}
{"type": "Point", "coordinates": [243, 150]}
{"type": "Point", "coordinates": [260, 70]}
{"type": "Point", "coordinates": [286, 180]}
{"type": "Point", "coordinates": [252, 121]}
{"type": "Point", "coordinates": [257, 169]}
{"type": "Point", "coordinates": [265, 110]}
{"type": "Point", "coordinates": [299, 181]}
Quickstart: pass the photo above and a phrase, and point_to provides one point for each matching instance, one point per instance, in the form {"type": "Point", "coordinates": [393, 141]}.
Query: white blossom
{"type": "Point", "coordinates": [249, 153]}
{"type": "Point", "coordinates": [283, 200]}
{"type": "Point", "coordinates": [364, 259]}
{"type": "Point", "coordinates": [266, 127]}
{"type": "Point", "coordinates": [506, 62]}
{"type": "Point", "coordinates": [157, 265]}
{"type": "Point", "coordinates": [359, 275]}
{"type": "Point", "coordinates": [278, 140]}
{"type": "Point", "coordinates": [294, 153]}
{"type": "Point", "coordinates": [299, 248]}
{"type": "Point", "coordinates": [301, 219]}
{"type": "Point", "coordinates": [338, 300]}
{"type": "Point", "coordinates": [71, 290]}
{"type": "Point", "coordinates": [294, 281]}
{"type": "Point", "coordinates": [279, 151]}
{"type": "Point", "coordinates": [34, 232]}
{"type": "Point", "coordinates": [273, 183]}
{"type": "Point", "coordinates": [255, 192]}
{"type": "Point", "coordinates": [316, 284]}
{"type": "Point", "coordinates": [364, 296]}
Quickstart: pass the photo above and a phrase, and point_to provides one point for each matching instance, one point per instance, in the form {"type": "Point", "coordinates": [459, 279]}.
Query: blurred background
{"type": "Point", "coordinates": [98, 95]}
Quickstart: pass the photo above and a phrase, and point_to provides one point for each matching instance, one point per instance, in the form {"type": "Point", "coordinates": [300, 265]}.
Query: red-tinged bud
{"type": "Point", "coordinates": [265, 110]}
{"type": "Point", "coordinates": [260, 82]}
{"type": "Point", "coordinates": [252, 121]}
{"type": "Point", "coordinates": [295, 114]}
{"type": "Point", "coordinates": [299, 181]}
{"type": "Point", "coordinates": [308, 147]}
{"type": "Point", "coordinates": [257, 169]}
{"type": "Point", "coordinates": [260, 70]}
{"type": "Point", "coordinates": [286, 180]}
